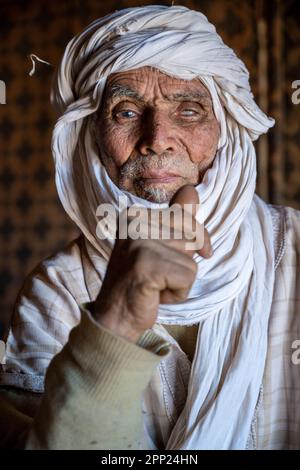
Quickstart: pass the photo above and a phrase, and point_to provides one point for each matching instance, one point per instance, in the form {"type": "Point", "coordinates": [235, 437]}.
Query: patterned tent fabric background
{"type": "Point", "coordinates": [33, 225]}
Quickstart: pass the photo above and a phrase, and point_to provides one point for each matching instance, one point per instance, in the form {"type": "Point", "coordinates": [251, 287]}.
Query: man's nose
{"type": "Point", "coordinates": [157, 135]}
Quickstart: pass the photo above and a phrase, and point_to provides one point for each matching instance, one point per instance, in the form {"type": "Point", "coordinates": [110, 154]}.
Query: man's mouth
{"type": "Point", "coordinates": [158, 177]}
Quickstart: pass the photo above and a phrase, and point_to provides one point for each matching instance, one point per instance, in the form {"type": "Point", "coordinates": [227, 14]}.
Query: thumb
{"type": "Point", "coordinates": [188, 195]}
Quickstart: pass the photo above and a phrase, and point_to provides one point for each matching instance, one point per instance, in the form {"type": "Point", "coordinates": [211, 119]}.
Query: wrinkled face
{"type": "Point", "coordinates": [155, 133]}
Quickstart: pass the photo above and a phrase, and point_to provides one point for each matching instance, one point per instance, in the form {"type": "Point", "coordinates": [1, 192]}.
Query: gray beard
{"type": "Point", "coordinates": [155, 194]}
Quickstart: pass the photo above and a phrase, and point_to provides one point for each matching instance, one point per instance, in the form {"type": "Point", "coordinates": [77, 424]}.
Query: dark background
{"type": "Point", "coordinates": [33, 225]}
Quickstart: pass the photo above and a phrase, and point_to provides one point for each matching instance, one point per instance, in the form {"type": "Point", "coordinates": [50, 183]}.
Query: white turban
{"type": "Point", "coordinates": [231, 296]}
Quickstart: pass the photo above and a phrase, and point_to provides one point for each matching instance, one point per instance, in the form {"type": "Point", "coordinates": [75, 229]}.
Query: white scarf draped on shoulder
{"type": "Point", "coordinates": [231, 296]}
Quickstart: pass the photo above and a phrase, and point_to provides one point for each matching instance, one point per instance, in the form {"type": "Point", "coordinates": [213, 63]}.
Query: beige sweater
{"type": "Point", "coordinates": [92, 392]}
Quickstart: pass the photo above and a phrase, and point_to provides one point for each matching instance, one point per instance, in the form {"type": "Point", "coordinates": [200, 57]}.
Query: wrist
{"type": "Point", "coordinates": [113, 323]}
{"type": "Point", "coordinates": [122, 330]}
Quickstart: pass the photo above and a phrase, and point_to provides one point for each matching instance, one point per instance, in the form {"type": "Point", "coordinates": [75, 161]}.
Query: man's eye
{"type": "Point", "coordinates": [189, 112]}
{"type": "Point", "coordinates": [126, 114]}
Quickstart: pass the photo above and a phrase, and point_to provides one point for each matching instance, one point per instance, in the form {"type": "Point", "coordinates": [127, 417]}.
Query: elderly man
{"type": "Point", "coordinates": [148, 345]}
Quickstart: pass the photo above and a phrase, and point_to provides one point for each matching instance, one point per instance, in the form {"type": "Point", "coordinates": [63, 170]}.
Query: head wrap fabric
{"type": "Point", "coordinates": [232, 293]}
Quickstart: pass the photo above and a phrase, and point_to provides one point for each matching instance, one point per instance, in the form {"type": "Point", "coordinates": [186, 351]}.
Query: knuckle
{"type": "Point", "coordinates": [144, 256]}
{"type": "Point", "coordinates": [191, 272]}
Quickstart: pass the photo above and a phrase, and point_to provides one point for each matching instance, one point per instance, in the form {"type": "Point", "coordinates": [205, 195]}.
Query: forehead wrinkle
{"type": "Point", "coordinates": [124, 91]}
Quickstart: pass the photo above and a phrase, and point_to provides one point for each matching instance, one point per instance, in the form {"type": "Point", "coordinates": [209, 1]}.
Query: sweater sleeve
{"type": "Point", "coordinates": [93, 390]}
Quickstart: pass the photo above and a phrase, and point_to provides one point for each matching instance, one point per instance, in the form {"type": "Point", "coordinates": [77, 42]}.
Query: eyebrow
{"type": "Point", "coordinates": [121, 91]}
{"type": "Point", "coordinates": [124, 91]}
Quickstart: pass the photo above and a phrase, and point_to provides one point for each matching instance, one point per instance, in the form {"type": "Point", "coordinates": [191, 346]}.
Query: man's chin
{"type": "Point", "coordinates": [157, 194]}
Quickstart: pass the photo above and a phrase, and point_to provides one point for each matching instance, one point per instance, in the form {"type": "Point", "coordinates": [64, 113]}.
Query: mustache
{"type": "Point", "coordinates": [144, 163]}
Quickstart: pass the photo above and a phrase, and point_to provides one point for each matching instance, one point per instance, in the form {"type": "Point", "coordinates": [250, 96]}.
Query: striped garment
{"type": "Point", "coordinates": [48, 307]}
